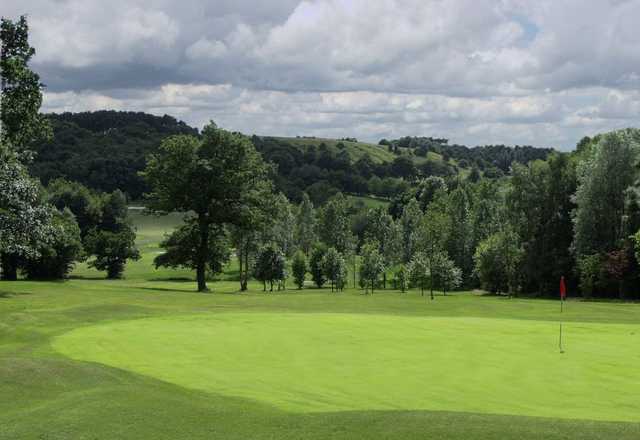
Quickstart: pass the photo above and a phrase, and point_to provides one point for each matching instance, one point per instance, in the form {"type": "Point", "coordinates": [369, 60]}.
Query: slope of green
{"type": "Point", "coordinates": [147, 357]}
{"type": "Point", "coordinates": [355, 149]}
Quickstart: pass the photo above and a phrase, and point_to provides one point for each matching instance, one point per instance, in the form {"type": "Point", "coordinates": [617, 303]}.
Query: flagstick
{"type": "Point", "coordinates": [560, 341]}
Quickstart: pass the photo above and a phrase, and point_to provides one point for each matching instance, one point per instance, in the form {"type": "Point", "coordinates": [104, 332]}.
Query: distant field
{"type": "Point", "coordinates": [147, 357]}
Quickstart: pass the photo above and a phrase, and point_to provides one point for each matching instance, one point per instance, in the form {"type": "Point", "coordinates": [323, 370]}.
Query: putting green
{"type": "Point", "coordinates": [335, 362]}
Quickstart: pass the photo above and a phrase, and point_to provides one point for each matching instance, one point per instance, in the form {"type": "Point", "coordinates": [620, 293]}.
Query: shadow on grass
{"type": "Point", "coordinates": [5, 294]}
{"type": "Point", "coordinates": [173, 280]}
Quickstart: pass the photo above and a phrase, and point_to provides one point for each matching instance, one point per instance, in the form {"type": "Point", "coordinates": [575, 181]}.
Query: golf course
{"type": "Point", "coordinates": [148, 357]}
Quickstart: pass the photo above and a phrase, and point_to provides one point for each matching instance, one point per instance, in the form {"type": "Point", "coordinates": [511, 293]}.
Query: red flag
{"type": "Point", "coordinates": [563, 288]}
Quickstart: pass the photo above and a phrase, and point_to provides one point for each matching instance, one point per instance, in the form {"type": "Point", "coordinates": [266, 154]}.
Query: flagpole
{"type": "Point", "coordinates": [560, 340]}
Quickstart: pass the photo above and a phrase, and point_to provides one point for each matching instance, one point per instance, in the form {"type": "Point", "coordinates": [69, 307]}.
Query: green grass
{"type": "Point", "coordinates": [147, 357]}
{"type": "Point", "coordinates": [368, 201]}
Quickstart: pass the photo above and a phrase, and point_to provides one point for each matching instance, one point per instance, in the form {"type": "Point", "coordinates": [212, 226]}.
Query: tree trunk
{"type": "Point", "coordinates": [384, 280]}
{"type": "Point", "coordinates": [203, 250]}
{"type": "Point", "coordinates": [244, 277]}
{"type": "Point", "coordinates": [9, 267]}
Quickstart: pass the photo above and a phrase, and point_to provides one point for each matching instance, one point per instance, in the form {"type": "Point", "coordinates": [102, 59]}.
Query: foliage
{"type": "Point", "coordinates": [299, 268]}
{"type": "Point", "coordinates": [21, 94]}
{"type": "Point", "coordinates": [112, 250]}
{"type": "Point", "coordinates": [334, 227]}
{"type": "Point", "coordinates": [604, 177]}
{"type": "Point", "coordinates": [539, 205]}
{"type": "Point", "coordinates": [590, 270]}
{"type": "Point", "coordinates": [56, 256]}
{"type": "Point", "coordinates": [24, 219]}
{"type": "Point", "coordinates": [181, 248]}
{"type": "Point", "coordinates": [497, 260]}
{"type": "Point", "coordinates": [270, 267]}
{"type": "Point", "coordinates": [419, 271]}
{"type": "Point", "coordinates": [104, 150]}
{"type": "Point", "coordinates": [372, 266]}
{"type": "Point", "coordinates": [334, 268]}
{"type": "Point", "coordinates": [305, 231]}
{"type": "Point", "coordinates": [315, 264]}
{"type": "Point", "coordinates": [409, 224]}
{"type": "Point", "coordinates": [402, 277]}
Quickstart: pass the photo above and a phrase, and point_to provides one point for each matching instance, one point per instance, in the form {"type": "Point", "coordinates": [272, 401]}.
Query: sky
{"type": "Point", "coordinates": [518, 72]}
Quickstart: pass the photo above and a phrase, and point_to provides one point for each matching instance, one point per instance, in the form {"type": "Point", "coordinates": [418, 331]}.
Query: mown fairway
{"type": "Point", "coordinates": [146, 357]}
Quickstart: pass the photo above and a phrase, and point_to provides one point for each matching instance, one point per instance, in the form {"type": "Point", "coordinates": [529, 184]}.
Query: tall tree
{"type": "Point", "coordinates": [305, 231]}
{"type": "Point", "coordinates": [539, 205]}
{"type": "Point", "coordinates": [604, 176]}
{"type": "Point", "coordinates": [372, 266]}
{"type": "Point", "coordinates": [299, 268]}
{"type": "Point", "coordinates": [334, 225]}
{"type": "Point", "coordinates": [208, 177]}
{"type": "Point", "coordinates": [23, 216]}
{"type": "Point", "coordinates": [24, 220]}
{"type": "Point", "coordinates": [409, 223]}
{"type": "Point", "coordinates": [21, 94]}
{"type": "Point", "coordinates": [497, 260]}
{"type": "Point", "coordinates": [335, 268]}
{"type": "Point", "coordinates": [459, 238]}
{"type": "Point", "coordinates": [381, 229]}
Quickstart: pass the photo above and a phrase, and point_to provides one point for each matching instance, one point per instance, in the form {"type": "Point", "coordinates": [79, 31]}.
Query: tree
{"type": "Point", "coordinates": [253, 227]}
{"type": "Point", "coordinates": [282, 233]}
{"type": "Point", "coordinates": [82, 202]}
{"type": "Point", "coordinates": [315, 264]}
{"type": "Point", "coordinates": [402, 278]}
{"type": "Point", "coordinates": [372, 266]}
{"type": "Point", "coordinates": [305, 231]}
{"type": "Point", "coordinates": [56, 257]}
{"type": "Point", "coordinates": [459, 245]}
{"type": "Point", "coordinates": [497, 260]}
{"type": "Point", "coordinates": [428, 190]}
{"type": "Point", "coordinates": [450, 275]}
{"type": "Point", "coordinates": [24, 220]}
{"type": "Point", "coordinates": [270, 267]}
{"type": "Point", "coordinates": [181, 248]}
{"type": "Point", "coordinates": [299, 268]}
{"type": "Point", "coordinates": [381, 229]}
{"type": "Point", "coordinates": [334, 268]}
{"type": "Point", "coordinates": [21, 94]}
{"type": "Point", "coordinates": [419, 271]}
{"type": "Point", "coordinates": [208, 177]}
{"type": "Point", "coordinates": [334, 226]}
{"type": "Point", "coordinates": [603, 179]}
{"type": "Point", "coordinates": [409, 223]}
{"type": "Point", "coordinates": [113, 241]}
{"type": "Point", "coordinates": [539, 205]}
{"type": "Point", "coordinates": [112, 250]}
{"type": "Point", "coordinates": [590, 272]}
{"type": "Point", "coordinates": [23, 217]}
{"type": "Point", "coordinates": [431, 236]}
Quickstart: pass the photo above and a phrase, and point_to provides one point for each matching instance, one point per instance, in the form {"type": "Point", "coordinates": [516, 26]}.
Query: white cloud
{"type": "Point", "coordinates": [476, 71]}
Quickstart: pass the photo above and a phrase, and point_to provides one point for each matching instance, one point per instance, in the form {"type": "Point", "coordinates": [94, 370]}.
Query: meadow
{"type": "Point", "coordinates": [148, 357]}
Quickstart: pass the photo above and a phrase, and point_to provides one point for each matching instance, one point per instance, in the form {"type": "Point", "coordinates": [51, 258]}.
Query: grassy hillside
{"type": "Point", "coordinates": [356, 150]}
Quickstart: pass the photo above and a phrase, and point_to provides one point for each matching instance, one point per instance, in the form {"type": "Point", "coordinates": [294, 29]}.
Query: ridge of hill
{"type": "Point", "coordinates": [106, 149]}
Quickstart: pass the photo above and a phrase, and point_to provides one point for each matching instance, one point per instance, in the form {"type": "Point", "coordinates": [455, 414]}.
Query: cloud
{"type": "Point", "coordinates": [475, 71]}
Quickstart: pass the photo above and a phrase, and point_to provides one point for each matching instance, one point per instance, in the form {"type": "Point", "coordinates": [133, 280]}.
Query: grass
{"type": "Point", "coordinates": [147, 357]}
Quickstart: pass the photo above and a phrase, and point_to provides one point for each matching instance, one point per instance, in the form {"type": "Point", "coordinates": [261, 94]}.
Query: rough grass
{"type": "Point", "coordinates": [308, 364]}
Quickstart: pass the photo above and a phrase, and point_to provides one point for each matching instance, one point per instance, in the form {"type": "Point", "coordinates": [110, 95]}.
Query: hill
{"type": "Point", "coordinates": [106, 150]}
{"type": "Point", "coordinates": [103, 150]}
